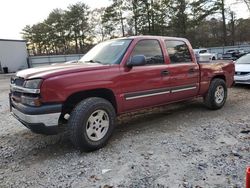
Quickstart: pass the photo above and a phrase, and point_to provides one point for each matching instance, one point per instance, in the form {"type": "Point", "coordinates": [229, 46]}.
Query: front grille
{"type": "Point", "coordinates": [17, 94]}
{"type": "Point", "coordinates": [241, 73]}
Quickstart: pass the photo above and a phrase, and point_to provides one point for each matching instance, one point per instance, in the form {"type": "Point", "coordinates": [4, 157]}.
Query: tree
{"type": "Point", "coordinates": [38, 35]}
{"type": "Point", "coordinates": [75, 29]}
{"type": "Point", "coordinates": [76, 20]}
{"type": "Point", "coordinates": [179, 18]}
{"type": "Point", "coordinates": [232, 27]}
{"type": "Point", "coordinates": [97, 24]}
{"type": "Point", "coordinates": [247, 2]}
{"type": "Point", "coordinates": [113, 17]}
{"type": "Point", "coordinates": [135, 12]}
{"type": "Point", "coordinates": [242, 31]}
{"type": "Point", "coordinates": [109, 21]}
{"type": "Point", "coordinates": [56, 36]}
{"type": "Point", "coordinates": [221, 4]}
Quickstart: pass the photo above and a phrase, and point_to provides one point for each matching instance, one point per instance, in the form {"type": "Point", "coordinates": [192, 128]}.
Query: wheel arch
{"type": "Point", "coordinates": [75, 98]}
{"type": "Point", "coordinates": [220, 76]}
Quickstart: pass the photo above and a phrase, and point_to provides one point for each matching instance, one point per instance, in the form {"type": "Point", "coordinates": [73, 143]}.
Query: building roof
{"type": "Point", "coordinates": [12, 40]}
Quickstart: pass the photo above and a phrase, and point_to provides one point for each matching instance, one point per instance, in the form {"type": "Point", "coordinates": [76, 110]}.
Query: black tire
{"type": "Point", "coordinates": [78, 123]}
{"type": "Point", "coordinates": [213, 58]}
{"type": "Point", "coordinates": [210, 99]}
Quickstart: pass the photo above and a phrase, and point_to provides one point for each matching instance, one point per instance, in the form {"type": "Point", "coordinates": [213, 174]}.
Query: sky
{"type": "Point", "coordinates": [16, 14]}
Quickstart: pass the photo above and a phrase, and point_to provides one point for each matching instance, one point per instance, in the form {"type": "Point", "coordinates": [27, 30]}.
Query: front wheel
{"type": "Point", "coordinates": [91, 124]}
{"type": "Point", "coordinates": [216, 95]}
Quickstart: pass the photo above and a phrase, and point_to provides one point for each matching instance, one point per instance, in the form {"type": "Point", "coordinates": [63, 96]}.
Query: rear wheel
{"type": "Point", "coordinates": [216, 95]}
{"type": "Point", "coordinates": [91, 124]}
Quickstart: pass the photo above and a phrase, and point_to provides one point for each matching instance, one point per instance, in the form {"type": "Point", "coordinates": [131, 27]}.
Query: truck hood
{"type": "Point", "coordinates": [56, 70]}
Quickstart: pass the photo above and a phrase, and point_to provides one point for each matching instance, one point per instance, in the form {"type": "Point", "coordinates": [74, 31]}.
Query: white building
{"type": "Point", "coordinates": [13, 54]}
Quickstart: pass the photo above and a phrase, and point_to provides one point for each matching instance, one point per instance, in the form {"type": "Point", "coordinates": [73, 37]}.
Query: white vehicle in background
{"type": "Point", "coordinates": [242, 70]}
{"type": "Point", "coordinates": [205, 55]}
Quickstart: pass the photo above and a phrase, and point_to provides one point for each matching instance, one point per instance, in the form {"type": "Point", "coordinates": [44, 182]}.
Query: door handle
{"type": "Point", "coordinates": [191, 71]}
{"type": "Point", "coordinates": [164, 73]}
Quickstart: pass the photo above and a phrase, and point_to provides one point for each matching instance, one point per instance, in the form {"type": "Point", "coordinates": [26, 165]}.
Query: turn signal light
{"type": "Point", "coordinates": [31, 101]}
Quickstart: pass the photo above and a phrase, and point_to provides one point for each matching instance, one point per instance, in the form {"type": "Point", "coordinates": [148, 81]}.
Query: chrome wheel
{"type": "Point", "coordinates": [97, 125]}
{"type": "Point", "coordinates": [219, 94]}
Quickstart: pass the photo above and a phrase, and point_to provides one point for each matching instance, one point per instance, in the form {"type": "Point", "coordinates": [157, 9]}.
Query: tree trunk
{"type": "Point", "coordinates": [232, 28]}
{"type": "Point", "coordinates": [122, 24]}
{"type": "Point", "coordinates": [224, 22]}
{"type": "Point", "coordinates": [135, 15]}
{"type": "Point", "coordinates": [152, 17]}
{"type": "Point", "coordinates": [76, 44]}
{"type": "Point", "coordinates": [247, 2]}
{"type": "Point", "coordinates": [148, 18]}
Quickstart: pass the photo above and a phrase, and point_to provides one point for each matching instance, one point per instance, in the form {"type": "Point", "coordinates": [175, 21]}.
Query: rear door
{"type": "Point", "coordinates": [183, 70]}
{"type": "Point", "coordinates": [144, 86]}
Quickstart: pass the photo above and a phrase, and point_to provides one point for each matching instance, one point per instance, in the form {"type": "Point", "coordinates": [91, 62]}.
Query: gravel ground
{"type": "Point", "coordinates": [180, 145]}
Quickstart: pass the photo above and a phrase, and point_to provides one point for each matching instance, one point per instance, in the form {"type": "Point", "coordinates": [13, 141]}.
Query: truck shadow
{"type": "Point", "coordinates": [27, 147]}
{"type": "Point", "coordinates": [242, 86]}
{"type": "Point", "coordinates": [149, 118]}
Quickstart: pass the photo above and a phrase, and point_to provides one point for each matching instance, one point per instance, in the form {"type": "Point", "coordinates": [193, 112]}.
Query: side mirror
{"type": "Point", "coordinates": [137, 60]}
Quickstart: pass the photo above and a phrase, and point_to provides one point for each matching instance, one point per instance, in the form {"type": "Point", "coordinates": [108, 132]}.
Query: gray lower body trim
{"type": "Point", "coordinates": [46, 119]}
{"type": "Point", "coordinates": [183, 89]}
{"type": "Point", "coordinates": [162, 91]}
{"type": "Point", "coordinates": [147, 95]}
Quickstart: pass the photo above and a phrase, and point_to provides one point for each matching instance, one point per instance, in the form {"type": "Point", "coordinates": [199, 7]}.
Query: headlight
{"type": "Point", "coordinates": [33, 84]}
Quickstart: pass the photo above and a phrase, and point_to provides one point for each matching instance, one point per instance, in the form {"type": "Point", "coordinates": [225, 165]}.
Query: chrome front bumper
{"type": "Point", "coordinates": [242, 79]}
{"type": "Point", "coordinates": [32, 117]}
{"type": "Point", "coordinates": [45, 119]}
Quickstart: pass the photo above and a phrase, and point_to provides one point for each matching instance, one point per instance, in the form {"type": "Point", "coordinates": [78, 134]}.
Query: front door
{"type": "Point", "coordinates": [144, 86]}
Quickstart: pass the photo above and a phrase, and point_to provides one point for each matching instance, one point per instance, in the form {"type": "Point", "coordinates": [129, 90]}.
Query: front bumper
{"type": "Point", "coordinates": [31, 117]}
{"type": "Point", "coordinates": [242, 79]}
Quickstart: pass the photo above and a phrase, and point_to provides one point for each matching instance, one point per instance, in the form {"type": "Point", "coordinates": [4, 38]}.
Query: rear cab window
{"type": "Point", "coordinates": [178, 51]}
{"type": "Point", "coordinates": [151, 49]}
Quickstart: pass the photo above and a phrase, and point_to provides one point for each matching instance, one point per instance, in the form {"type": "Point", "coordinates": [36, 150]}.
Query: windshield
{"type": "Point", "coordinates": [244, 59]}
{"type": "Point", "coordinates": [199, 51]}
{"type": "Point", "coordinates": [203, 51]}
{"type": "Point", "coordinates": [109, 52]}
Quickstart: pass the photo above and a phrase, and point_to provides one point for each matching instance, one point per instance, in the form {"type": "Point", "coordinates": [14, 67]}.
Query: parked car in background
{"type": "Point", "coordinates": [67, 62]}
{"type": "Point", "coordinates": [203, 52]}
{"type": "Point", "coordinates": [242, 70]}
{"type": "Point", "coordinates": [233, 54]}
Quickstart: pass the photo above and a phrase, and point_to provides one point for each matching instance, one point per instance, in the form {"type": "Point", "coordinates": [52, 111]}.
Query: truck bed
{"type": "Point", "coordinates": [219, 68]}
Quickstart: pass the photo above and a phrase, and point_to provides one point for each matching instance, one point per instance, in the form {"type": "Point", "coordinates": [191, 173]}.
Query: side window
{"type": "Point", "coordinates": [178, 51]}
{"type": "Point", "coordinates": [203, 51]}
{"type": "Point", "coordinates": [151, 50]}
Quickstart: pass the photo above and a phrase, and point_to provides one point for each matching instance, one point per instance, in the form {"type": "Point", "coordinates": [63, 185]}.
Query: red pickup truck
{"type": "Point", "coordinates": [115, 77]}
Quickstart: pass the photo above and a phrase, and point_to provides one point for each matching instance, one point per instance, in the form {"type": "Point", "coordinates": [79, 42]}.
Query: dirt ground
{"type": "Point", "coordinates": [180, 145]}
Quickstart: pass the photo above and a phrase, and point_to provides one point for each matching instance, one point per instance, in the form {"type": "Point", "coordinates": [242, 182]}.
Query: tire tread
{"type": "Point", "coordinates": [209, 100]}
{"type": "Point", "coordinates": [79, 114]}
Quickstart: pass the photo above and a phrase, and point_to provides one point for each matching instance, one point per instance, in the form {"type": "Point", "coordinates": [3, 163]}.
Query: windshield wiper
{"type": "Point", "coordinates": [94, 61]}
